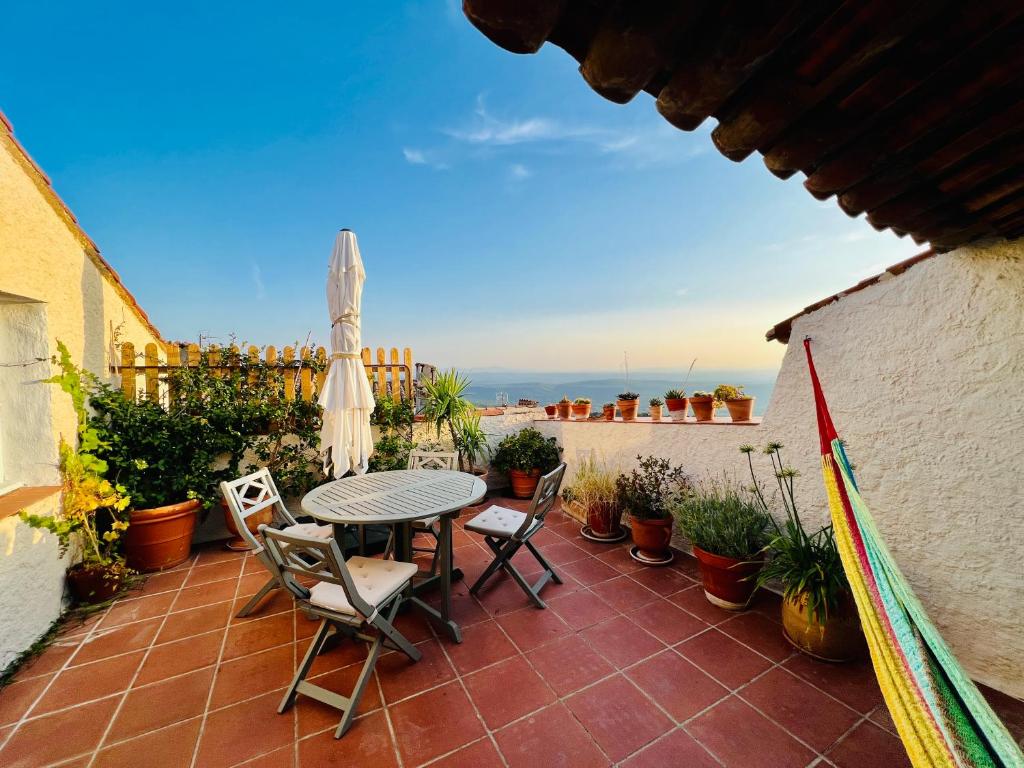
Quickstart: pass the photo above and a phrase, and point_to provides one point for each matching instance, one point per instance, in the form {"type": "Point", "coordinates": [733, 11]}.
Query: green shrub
{"type": "Point", "coordinates": [525, 450]}
{"type": "Point", "coordinates": [724, 519]}
{"type": "Point", "coordinates": [675, 394]}
{"type": "Point", "coordinates": [647, 491]}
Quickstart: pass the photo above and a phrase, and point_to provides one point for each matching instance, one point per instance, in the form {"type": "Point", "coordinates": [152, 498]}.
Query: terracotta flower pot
{"type": "Point", "coordinates": [524, 483]}
{"type": "Point", "coordinates": [608, 412]}
{"type": "Point", "coordinates": [564, 409]}
{"type": "Point", "coordinates": [840, 638]}
{"type": "Point", "coordinates": [604, 519]}
{"type": "Point", "coordinates": [703, 408]}
{"type": "Point", "coordinates": [740, 410]}
{"type": "Point", "coordinates": [652, 537]}
{"type": "Point", "coordinates": [677, 408]}
{"type": "Point", "coordinates": [655, 413]}
{"type": "Point", "coordinates": [728, 583]}
{"type": "Point", "coordinates": [90, 584]}
{"type": "Point", "coordinates": [252, 522]}
{"type": "Point", "coordinates": [581, 411]}
{"type": "Point", "coordinates": [551, 410]}
{"type": "Point", "coordinates": [161, 537]}
{"type": "Point", "coordinates": [628, 409]}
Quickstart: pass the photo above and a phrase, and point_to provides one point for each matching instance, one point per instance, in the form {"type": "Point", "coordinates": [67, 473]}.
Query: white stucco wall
{"type": "Point", "coordinates": [52, 286]}
{"type": "Point", "coordinates": [923, 376]}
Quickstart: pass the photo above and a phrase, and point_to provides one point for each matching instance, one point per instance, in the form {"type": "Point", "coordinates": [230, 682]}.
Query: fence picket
{"type": "Point", "coordinates": [128, 370]}
{"type": "Point", "coordinates": [396, 379]}
{"type": "Point", "coordinates": [306, 375]}
{"type": "Point", "coordinates": [288, 358]}
{"type": "Point", "coordinates": [152, 373]}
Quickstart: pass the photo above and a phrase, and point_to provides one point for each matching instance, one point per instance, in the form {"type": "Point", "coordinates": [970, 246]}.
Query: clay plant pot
{"type": "Point", "coordinates": [652, 537]}
{"type": "Point", "coordinates": [740, 410]}
{"type": "Point", "coordinates": [91, 584]}
{"type": "Point", "coordinates": [677, 408]}
{"type": "Point", "coordinates": [728, 583]}
{"type": "Point", "coordinates": [564, 409]}
{"type": "Point", "coordinates": [252, 522]}
{"type": "Point", "coordinates": [524, 483]}
{"type": "Point", "coordinates": [161, 537]}
{"type": "Point", "coordinates": [605, 520]}
{"type": "Point", "coordinates": [840, 638]}
{"type": "Point", "coordinates": [608, 412]}
{"type": "Point", "coordinates": [581, 411]}
{"type": "Point", "coordinates": [703, 408]}
{"type": "Point", "coordinates": [628, 409]}
{"type": "Point", "coordinates": [551, 410]}
{"type": "Point", "coordinates": [655, 413]}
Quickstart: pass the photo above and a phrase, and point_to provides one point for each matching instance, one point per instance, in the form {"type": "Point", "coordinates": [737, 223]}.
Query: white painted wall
{"type": "Point", "coordinates": [923, 374]}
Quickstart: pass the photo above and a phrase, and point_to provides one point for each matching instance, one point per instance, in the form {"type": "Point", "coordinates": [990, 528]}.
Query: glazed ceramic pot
{"type": "Point", "coordinates": [839, 638]}
{"type": "Point", "coordinates": [161, 537]}
{"type": "Point", "coordinates": [677, 408]}
{"type": "Point", "coordinates": [728, 583]}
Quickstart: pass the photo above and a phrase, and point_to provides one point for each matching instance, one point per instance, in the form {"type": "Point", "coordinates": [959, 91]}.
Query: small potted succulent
{"type": "Point", "coordinates": [704, 405]}
{"type": "Point", "coordinates": [647, 494]}
{"type": "Point", "coordinates": [564, 408]}
{"type": "Point", "coordinates": [655, 403]}
{"type": "Point", "coordinates": [728, 529]}
{"type": "Point", "coordinates": [676, 402]}
{"type": "Point", "coordinates": [608, 411]}
{"type": "Point", "coordinates": [551, 410]}
{"type": "Point", "coordinates": [628, 404]}
{"type": "Point", "coordinates": [581, 408]}
{"type": "Point", "coordinates": [525, 456]}
{"type": "Point", "coordinates": [740, 406]}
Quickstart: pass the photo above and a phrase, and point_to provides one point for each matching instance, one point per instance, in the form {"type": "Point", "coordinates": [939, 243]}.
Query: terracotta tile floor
{"type": "Point", "coordinates": [628, 666]}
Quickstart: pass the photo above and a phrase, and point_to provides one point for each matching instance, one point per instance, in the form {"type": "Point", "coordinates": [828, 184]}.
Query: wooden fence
{"type": "Point", "coordinates": [391, 374]}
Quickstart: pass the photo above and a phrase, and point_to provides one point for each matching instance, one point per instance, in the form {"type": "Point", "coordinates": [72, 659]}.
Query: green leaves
{"type": "Point", "coordinates": [647, 491]}
{"type": "Point", "coordinates": [724, 519]}
{"type": "Point", "coordinates": [525, 450]}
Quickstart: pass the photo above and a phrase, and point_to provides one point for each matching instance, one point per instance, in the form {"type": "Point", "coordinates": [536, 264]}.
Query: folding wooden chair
{"type": "Point", "coordinates": [254, 493]}
{"type": "Point", "coordinates": [346, 596]}
{"type": "Point", "coordinates": [427, 460]}
{"type": "Point", "coordinates": [507, 530]}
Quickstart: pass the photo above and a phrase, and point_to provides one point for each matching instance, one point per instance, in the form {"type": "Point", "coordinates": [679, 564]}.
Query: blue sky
{"type": "Point", "coordinates": [508, 216]}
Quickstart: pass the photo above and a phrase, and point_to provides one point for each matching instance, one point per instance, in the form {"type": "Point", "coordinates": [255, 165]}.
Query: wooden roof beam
{"type": "Point", "coordinates": [519, 26]}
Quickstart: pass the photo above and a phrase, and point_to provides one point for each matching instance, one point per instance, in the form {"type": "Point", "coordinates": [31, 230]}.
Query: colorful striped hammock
{"type": "Point", "coordinates": [941, 716]}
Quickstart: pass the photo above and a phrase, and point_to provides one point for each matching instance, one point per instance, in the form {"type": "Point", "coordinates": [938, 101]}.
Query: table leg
{"type": "Point", "coordinates": [442, 614]}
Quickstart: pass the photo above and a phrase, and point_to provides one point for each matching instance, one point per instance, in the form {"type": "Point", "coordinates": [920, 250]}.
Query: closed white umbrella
{"type": "Point", "coordinates": [346, 398]}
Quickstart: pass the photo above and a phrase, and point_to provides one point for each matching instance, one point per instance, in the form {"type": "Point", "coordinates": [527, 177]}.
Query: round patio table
{"type": "Point", "coordinates": [398, 498]}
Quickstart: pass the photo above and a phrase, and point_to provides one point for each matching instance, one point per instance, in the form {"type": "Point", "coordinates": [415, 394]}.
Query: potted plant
{"type": "Point", "coordinates": [655, 404]}
{"type": "Point", "coordinates": [728, 529]}
{"type": "Point", "coordinates": [628, 403]}
{"type": "Point", "coordinates": [594, 489]}
{"type": "Point", "coordinates": [646, 493]}
{"type": "Point", "coordinates": [471, 442]}
{"type": "Point", "coordinates": [448, 410]}
{"type": "Point", "coordinates": [819, 616]}
{"type": "Point", "coordinates": [581, 408]}
{"type": "Point", "coordinates": [564, 407]}
{"type": "Point", "coordinates": [676, 402]}
{"type": "Point", "coordinates": [608, 411]}
{"type": "Point", "coordinates": [551, 410]}
{"type": "Point", "coordinates": [92, 517]}
{"type": "Point", "coordinates": [526, 455]}
{"type": "Point", "coordinates": [740, 406]}
{"type": "Point", "coordinates": [704, 405]}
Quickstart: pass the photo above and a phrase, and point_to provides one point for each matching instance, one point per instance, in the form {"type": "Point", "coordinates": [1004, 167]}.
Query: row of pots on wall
{"type": "Point", "coordinates": [740, 409]}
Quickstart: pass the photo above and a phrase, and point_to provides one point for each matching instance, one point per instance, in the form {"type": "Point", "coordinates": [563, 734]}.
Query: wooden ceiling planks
{"type": "Point", "coordinates": [910, 112]}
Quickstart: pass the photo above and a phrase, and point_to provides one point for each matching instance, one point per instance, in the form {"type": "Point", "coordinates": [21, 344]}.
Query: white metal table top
{"type": "Point", "coordinates": [393, 497]}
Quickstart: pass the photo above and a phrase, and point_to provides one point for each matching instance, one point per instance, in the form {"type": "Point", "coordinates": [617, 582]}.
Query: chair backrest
{"type": "Point", "coordinates": [544, 498]}
{"type": "Point", "coordinates": [293, 554]}
{"type": "Point", "coordinates": [433, 460]}
{"type": "Point", "coordinates": [251, 494]}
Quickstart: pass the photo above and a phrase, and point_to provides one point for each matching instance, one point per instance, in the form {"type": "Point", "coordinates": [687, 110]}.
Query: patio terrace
{"type": "Point", "coordinates": [629, 666]}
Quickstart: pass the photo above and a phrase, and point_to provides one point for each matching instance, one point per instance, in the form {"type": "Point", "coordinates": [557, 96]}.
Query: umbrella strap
{"type": "Point", "coordinates": [346, 356]}
{"type": "Point", "coordinates": [349, 318]}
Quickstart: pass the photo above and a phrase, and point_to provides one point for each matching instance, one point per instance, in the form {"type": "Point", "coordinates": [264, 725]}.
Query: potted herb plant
{"type": "Point", "coordinates": [703, 405]}
{"type": "Point", "coordinates": [676, 402]}
{"type": "Point", "coordinates": [819, 616]}
{"type": "Point", "coordinates": [740, 406]}
{"type": "Point", "coordinates": [551, 410]}
{"type": "Point", "coordinates": [646, 493]}
{"type": "Point", "coordinates": [608, 411]}
{"type": "Point", "coordinates": [92, 516]}
{"type": "Point", "coordinates": [655, 404]}
{"type": "Point", "coordinates": [728, 530]}
{"type": "Point", "coordinates": [594, 489]}
{"type": "Point", "coordinates": [564, 407]}
{"type": "Point", "coordinates": [628, 403]}
{"type": "Point", "coordinates": [581, 408]}
{"type": "Point", "coordinates": [526, 455]}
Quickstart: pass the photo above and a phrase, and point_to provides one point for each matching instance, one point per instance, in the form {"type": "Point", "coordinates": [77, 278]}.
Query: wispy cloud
{"type": "Point", "coordinates": [519, 172]}
{"type": "Point", "coordinates": [258, 288]}
{"type": "Point", "coordinates": [421, 157]}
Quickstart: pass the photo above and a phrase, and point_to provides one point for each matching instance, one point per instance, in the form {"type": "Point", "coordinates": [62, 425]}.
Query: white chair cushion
{"type": "Point", "coordinates": [311, 529]}
{"type": "Point", "coordinates": [425, 523]}
{"type": "Point", "coordinates": [500, 522]}
{"type": "Point", "coordinates": [375, 580]}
